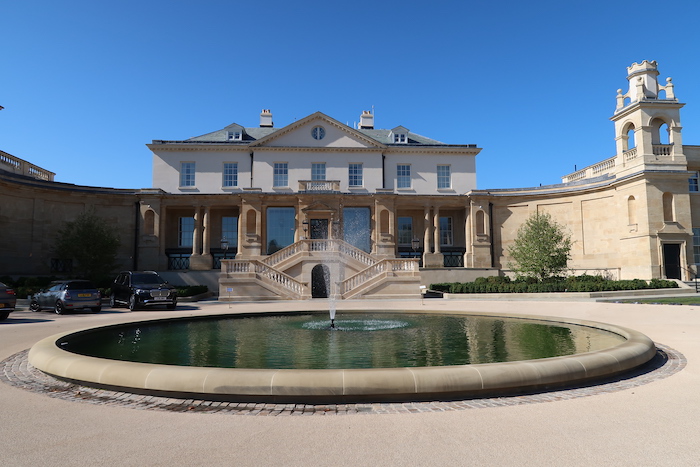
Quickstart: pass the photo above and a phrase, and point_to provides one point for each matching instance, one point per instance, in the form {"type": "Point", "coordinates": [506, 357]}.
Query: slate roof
{"type": "Point", "coordinates": [249, 135]}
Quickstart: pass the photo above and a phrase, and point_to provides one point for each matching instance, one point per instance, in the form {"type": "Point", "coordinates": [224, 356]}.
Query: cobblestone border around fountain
{"type": "Point", "coordinates": [18, 372]}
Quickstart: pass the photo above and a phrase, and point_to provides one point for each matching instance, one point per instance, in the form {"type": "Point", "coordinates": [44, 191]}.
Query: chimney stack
{"type": "Point", "coordinates": [366, 120]}
{"type": "Point", "coordinates": [266, 119]}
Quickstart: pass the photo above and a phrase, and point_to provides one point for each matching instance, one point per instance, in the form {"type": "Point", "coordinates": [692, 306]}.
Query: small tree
{"type": "Point", "coordinates": [542, 248]}
{"type": "Point", "coordinates": [91, 243]}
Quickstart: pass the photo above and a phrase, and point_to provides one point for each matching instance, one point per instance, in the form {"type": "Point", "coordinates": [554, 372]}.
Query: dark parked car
{"type": "Point", "coordinates": [8, 300]}
{"type": "Point", "coordinates": [67, 295]}
{"type": "Point", "coordinates": [137, 289]}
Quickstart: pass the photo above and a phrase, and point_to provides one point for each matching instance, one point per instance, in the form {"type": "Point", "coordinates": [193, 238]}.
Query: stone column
{"type": "Point", "coordinates": [426, 230]}
{"type": "Point", "coordinates": [206, 232]}
{"type": "Point", "coordinates": [435, 259]}
{"type": "Point", "coordinates": [467, 236]}
{"type": "Point", "coordinates": [204, 261]}
{"type": "Point", "coordinates": [197, 234]}
{"type": "Point", "coordinates": [436, 227]}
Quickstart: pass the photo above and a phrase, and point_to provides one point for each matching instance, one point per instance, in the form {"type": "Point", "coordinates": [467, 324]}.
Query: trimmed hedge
{"type": "Point", "coordinates": [585, 283]}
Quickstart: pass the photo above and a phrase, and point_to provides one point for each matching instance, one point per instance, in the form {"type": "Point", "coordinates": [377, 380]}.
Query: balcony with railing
{"type": "Point", "coordinates": [319, 186]}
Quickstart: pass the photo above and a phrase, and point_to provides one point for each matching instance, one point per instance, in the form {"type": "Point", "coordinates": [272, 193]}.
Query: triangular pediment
{"type": "Point", "coordinates": [318, 207]}
{"type": "Point", "coordinates": [318, 131]}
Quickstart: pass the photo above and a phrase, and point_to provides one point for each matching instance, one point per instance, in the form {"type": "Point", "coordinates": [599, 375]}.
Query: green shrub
{"type": "Point", "coordinates": [583, 283]}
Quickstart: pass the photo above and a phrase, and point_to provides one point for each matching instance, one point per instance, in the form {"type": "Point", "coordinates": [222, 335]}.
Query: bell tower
{"type": "Point", "coordinates": [647, 122]}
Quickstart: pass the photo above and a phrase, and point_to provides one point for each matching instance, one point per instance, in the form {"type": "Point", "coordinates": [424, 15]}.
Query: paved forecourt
{"type": "Point", "coordinates": [649, 419]}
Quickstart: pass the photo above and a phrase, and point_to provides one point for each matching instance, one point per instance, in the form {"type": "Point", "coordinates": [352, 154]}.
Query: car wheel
{"type": "Point", "coordinates": [132, 303]}
{"type": "Point", "coordinates": [59, 308]}
{"type": "Point", "coordinates": [96, 309]}
{"type": "Point", "coordinates": [4, 315]}
{"type": "Point", "coordinates": [112, 301]}
{"type": "Point", "coordinates": [34, 306]}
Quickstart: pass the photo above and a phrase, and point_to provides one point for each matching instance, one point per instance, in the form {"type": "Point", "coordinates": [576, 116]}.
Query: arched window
{"type": "Point", "coordinates": [629, 142]}
{"type": "Point", "coordinates": [631, 210]}
{"type": "Point", "coordinates": [660, 132]}
{"type": "Point", "coordinates": [149, 221]}
{"type": "Point", "coordinates": [480, 221]}
{"type": "Point", "coordinates": [669, 211]}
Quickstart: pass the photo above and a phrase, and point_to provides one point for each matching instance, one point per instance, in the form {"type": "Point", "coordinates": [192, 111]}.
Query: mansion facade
{"type": "Point", "coordinates": [274, 212]}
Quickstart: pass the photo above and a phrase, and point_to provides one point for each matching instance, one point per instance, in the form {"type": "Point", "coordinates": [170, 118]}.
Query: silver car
{"type": "Point", "coordinates": [68, 295]}
{"type": "Point", "coordinates": [8, 300]}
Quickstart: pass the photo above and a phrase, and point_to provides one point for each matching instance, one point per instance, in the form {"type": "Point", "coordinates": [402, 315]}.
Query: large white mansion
{"type": "Point", "coordinates": [271, 211]}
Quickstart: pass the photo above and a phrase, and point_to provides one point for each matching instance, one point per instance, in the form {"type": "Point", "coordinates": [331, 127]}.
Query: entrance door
{"type": "Point", "coordinates": [672, 260]}
{"type": "Point", "coordinates": [319, 229]}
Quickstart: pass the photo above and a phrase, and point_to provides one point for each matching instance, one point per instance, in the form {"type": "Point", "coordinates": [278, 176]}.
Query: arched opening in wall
{"type": "Point", "coordinates": [660, 132]}
{"type": "Point", "coordinates": [320, 281]}
{"type": "Point", "coordinates": [669, 211]}
{"type": "Point", "coordinates": [628, 138]}
{"type": "Point", "coordinates": [632, 210]}
{"type": "Point", "coordinates": [480, 223]}
{"type": "Point", "coordinates": [149, 222]}
{"type": "Point", "coordinates": [384, 221]}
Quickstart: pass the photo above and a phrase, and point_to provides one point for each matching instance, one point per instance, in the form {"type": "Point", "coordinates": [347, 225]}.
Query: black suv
{"type": "Point", "coordinates": [137, 289]}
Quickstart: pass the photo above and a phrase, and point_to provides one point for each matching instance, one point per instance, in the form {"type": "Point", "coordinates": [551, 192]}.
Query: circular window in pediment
{"type": "Point", "coordinates": [318, 132]}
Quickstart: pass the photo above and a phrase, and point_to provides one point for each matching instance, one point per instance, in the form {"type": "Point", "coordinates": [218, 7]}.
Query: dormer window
{"type": "Point", "coordinates": [400, 135]}
{"type": "Point", "coordinates": [234, 135]}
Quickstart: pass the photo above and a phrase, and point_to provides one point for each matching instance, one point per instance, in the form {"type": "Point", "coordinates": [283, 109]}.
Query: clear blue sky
{"type": "Point", "coordinates": [87, 84]}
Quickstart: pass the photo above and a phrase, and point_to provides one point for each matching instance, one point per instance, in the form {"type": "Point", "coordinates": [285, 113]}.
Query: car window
{"type": "Point", "coordinates": [78, 285]}
{"type": "Point", "coordinates": [146, 279]}
{"type": "Point", "coordinates": [56, 288]}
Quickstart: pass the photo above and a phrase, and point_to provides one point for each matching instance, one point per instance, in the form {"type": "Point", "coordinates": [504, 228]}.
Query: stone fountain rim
{"type": "Point", "coordinates": [337, 385]}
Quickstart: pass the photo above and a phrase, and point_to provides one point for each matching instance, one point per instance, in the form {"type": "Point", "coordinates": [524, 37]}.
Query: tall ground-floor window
{"type": "Point", "coordinates": [356, 227]}
{"type": "Point", "coordinates": [696, 245]}
{"type": "Point", "coordinates": [446, 237]}
{"type": "Point", "coordinates": [229, 230]}
{"type": "Point", "coordinates": [185, 231]}
{"type": "Point", "coordinates": [280, 228]}
{"type": "Point", "coordinates": [405, 230]}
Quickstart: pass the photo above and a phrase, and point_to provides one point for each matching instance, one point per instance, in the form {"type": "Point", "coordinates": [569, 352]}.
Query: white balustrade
{"type": "Point", "coordinates": [662, 149]}
{"type": "Point", "coordinates": [630, 155]}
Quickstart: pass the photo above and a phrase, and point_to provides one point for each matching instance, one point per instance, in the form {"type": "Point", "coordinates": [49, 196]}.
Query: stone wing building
{"type": "Point", "coordinates": [319, 208]}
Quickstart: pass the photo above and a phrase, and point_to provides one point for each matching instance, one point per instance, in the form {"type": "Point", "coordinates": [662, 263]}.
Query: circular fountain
{"type": "Point", "coordinates": [436, 365]}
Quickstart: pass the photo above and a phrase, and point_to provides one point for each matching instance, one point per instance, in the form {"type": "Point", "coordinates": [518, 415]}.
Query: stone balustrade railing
{"type": "Point", "coordinates": [591, 171]}
{"type": "Point", "coordinates": [264, 272]}
{"type": "Point", "coordinates": [319, 245]}
{"type": "Point", "coordinates": [630, 154]}
{"type": "Point", "coordinates": [381, 267]}
{"type": "Point", "coordinates": [662, 149]}
{"type": "Point", "coordinates": [319, 186]}
{"type": "Point", "coordinates": [23, 167]}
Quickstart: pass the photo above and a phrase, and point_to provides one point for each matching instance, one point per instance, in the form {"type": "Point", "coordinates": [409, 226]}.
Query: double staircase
{"type": "Point", "coordinates": [286, 274]}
